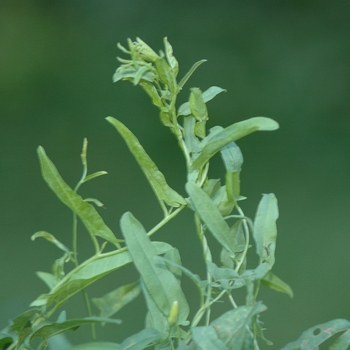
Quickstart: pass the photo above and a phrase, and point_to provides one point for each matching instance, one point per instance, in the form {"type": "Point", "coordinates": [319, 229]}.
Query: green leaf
{"type": "Point", "coordinates": [142, 339]}
{"type": "Point", "coordinates": [313, 337]}
{"type": "Point", "coordinates": [265, 230]}
{"type": "Point", "coordinates": [166, 74]}
{"type": "Point", "coordinates": [133, 74]}
{"type": "Point", "coordinates": [113, 301]}
{"type": "Point", "coordinates": [153, 93]}
{"type": "Point", "coordinates": [192, 142]}
{"type": "Point", "coordinates": [155, 178]}
{"type": "Point", "coordinates": [48, 278]}
{"type": "Point", "coordinates": [160, 282]}
{"type": "Point", "coordinates": [51, 238]}
{"type": "Point", "coordinates": [197, 105]}
{"type": "Point", "coordinates": [211, 216]}
{"type": "Point", "coordinates": [94, 175]}
{"type": "Point", "coordinates": [273, 282]}
{"type": "Point", "coordinates": [170, 57]}
{"type": "Point", "coordinates": [232, 157]}
{"type": "Point", "coordinates": [86, 212]}
{"type": "Point", "coordinates": [89, 272]}
{"type": "Point", "coordinates": [342, 343]}
{"type": "Point", "coordinates": [231, 134]}
{"type": "Point", "coordinates": [48, 331]}
{"type": "Point", "coordinates": [189, 73]}
{"type": "Point", "coordinates": [96, 346]}
{"type": "Point", "coordinates": [232, 327]}
{"type": "Point", "coordinates": [207, 95]}
{"type": "Point", "coordinates": [207, 339]}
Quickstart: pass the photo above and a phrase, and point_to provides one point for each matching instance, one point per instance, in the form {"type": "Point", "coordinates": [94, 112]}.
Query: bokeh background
{"type": "Point", "coordinates": [287, 60]}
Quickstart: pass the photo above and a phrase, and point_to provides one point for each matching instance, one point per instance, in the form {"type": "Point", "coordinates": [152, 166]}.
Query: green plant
{"type": "Point", "coordinates": [217, 212]}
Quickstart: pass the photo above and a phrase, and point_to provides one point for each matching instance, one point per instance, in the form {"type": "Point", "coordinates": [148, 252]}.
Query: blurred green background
{"type": "Point", "coordinates": [287, 60]}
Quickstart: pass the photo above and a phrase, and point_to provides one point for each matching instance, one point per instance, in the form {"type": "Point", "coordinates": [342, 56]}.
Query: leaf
{"type": "Point", "coordinates": [207, 95]}
{"type": "Point", "coordinates": [197, 105]}
{"type": "Point", "coordinates": [55, 328]}
{"type": "Point", "coordinates": [315, 336]}
{"type": "Point", "coordinates": [155, 178]}
{"type": "Point", "coordinates": [192, 142]}
{"type": "Point", "coordinates": [86, 212]}
{"type": "Point", "coordinates": [113, 301]}
{"type": "Point", "coordinates": [265, 230]}
{"type": "Point", "coordinates": [159, 281]}
{"type": "Point", "coordinates": [89, 272]}
{"type": "Point", "coordinates": [170, 57]}
{"type": "Point", "coordinates": [189, 73]}
{"type": "Point", "coordinates": [342, 343]}
{"type": "Point", "coordinates": [232, 327]}
{"type": "Point", "coordinates": [231, 134]}
{"type": "Point", "coordinates": [142, 339]}
{"type": "Point", "coordinates": [153, 93]}
{"type": "Point", "coordinates": [273, 282]}
{"type": "Point", "coordinates": [94, 175]}
{"type": "Point", "coordinates": [96, 346]}
{"type": "Point", "coordinates": [211, 216]}
{"type": "Point", "coordinates": [51, 238]}
{"type": "Point", "coordinates": [207, 339]}
{"type": "Point", "coordinates": [232, 157]}
{"type": "Point", "coordinates": [166, 74]}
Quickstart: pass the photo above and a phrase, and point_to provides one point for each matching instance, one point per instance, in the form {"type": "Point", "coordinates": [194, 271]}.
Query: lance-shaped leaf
{"type": "Point", "coordinates": [155, 178]}
{"type": "Point", "coordinates": [88, 272]}
{"type": "Point", "coordinates": [48, 331]}
{"type": "Point", "coordinates": [115, 300]}
{"type": "Point", "coordinates": [161, 284]}
{"type": "Point", "coordinates": [274, 282]}
{"type": "Point", "coordinates": [265, 230]}
{"type": "Point", "coordinates": [96, 346]}
{"type": "Point", "coordinates": [231, 134]}
{"type": "Point", "coordinates": [207, 95]}
{"type": "Point", "coordinates": [85, 211]}
{"type": "Point", "coordinates": [170, 57]}
{"type": "Point", "coordinates": [207, 338]}
{"type": "Point", "coordinates": [142, 339]}
{"type": "Point", "coordinates": [189, 73]}
{"type": "Point", "coordinates": [315, 336]}
{"type": "Point", "coordinates": [166, 74]}
{"type": "Point", "coordinates": [211, 216]}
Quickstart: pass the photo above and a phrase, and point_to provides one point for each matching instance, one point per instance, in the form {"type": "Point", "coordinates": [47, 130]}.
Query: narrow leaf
{"type": "Point", "coordinates": [273, 282]}
{"type": "Point", "coordinates": [313, 337]}
{"type": "Point", "coordinates": [166, 74]}
{"type": "Point", "coordinates": [86, 212]}
{"type": "Point", "coordinates": [231, 134]}
{"type": "Point", "coordinates": [113, 301]}
{"type": "Point", "coordinates": [160, 282]}
{"type": "Point", "coordinates": [189, 73]}
{"type": "Point", "coordinates": [211, 216]}
{"type": "Point", "coordinates": [94, 175]}
{"type": "Point", "coordinates": [142, 339]}
{"type": "Point", "coordinates": [197, 105]}
{"type": "Point", "coordinates": [155, 178]}
{"type": "Point", "coordinates": [51, 238]}
{"type": "Point", "coordinates": [265, 230]}
{"type": "Point", "coordinates": [207, 339]}
{"type": "Point", "coordinates": [96, 346]}
{"type": "Point", "coordinates": [52, 329]}
{"type": "Point", "coordinates": [170, 57]}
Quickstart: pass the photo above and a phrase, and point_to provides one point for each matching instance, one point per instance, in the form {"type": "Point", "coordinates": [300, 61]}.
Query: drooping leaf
{"type": "Point", "coordinates": [313, 337]}
{"type": "Point", "coordinates": [115, 300]}
{"type": "Point", "coordinates": [88, 272]}
{"type": "Point", "coordinates": [142, 339]}
{"type": "Point", "coordinates": [231, 134]}
{"type": "Point", "coordinates": [51, 238]}
{"type": "Point", "coordinates": [160, 282]}
{"type": "Point", "coordinates": [94, 175]}
{"type": "Point", "coordinates": [47, 331]}
{"type": "Point", "coordinates": [207, 95]}
{"type": "Point", "coordinates": [273, 282]}
{"type": "Point", "coordinates": [155, 178]}
{"type": "Point", "coordinates": [189, 73]}
{"type": "Point", "coordinates": [265, 230]}
{"type": "Point", "coordinates": [207, 338]}
{"type": "Point", "coordinates": [211, 216]}
{"type": "Point", "coordinates": [86, 212]}
{"type": "Point", "coordinates": [153, 93]}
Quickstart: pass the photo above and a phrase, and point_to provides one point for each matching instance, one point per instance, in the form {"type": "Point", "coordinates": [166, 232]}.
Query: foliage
{"type": "Point", "coordinates": [217, 212]}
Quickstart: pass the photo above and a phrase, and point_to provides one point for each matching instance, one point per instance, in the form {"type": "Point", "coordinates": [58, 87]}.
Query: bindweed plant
{"type": "Point", "coordinates": [217, 211]}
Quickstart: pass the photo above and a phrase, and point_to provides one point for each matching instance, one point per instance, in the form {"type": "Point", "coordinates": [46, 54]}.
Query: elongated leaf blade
{"type": "Point", "coordinates": [155, 178]}
{"type": "Point", "coordinates": [189, 73]}
{"type": "Point", "coordinates": [55, 328]}
{"type": "Point", "coordinates": [265, 230]}
{"type": "Point", "coordinates": [85, 211]}
{"type": "Point", "coordinates": [88, 273]}
{"type": "Point", "coordinates": [142, 339]}
{"type": "Point", "coordinates": [274, 282]}
{"type": "Point", "coordinates": [96, 346]}
{"type": "Point", "coordinates": [231, 134]}
{"type": "Point", "coordinates": [113, 301]}
{"type": "Point", "coordinates": [207, 339]}
{"type": "Point", "coordinates": [159, 281]}
{"type": "Point", "coordinates": [211, 216]}
{"type": "Point", "coordinates": [313, 337]}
